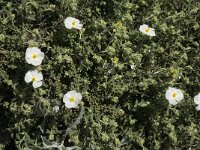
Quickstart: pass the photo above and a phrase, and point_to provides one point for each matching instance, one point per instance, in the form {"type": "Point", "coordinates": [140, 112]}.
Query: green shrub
{"type": "Point", "coordinates": [122, 108]}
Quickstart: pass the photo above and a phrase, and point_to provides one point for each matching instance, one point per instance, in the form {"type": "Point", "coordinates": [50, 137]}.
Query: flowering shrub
{"type": "Point", "coordinates": [102, 73]}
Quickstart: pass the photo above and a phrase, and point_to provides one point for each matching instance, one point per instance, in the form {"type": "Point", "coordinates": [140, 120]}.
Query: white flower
{"type": "Point", "coordinates": [72, 99]}
{"type": "Point", "coordinates": [56, 109]}
{"type": "Point", "coordinates": [71, 22]}
{"type": "Point", "coordinates": [34, 56]}
{"type": "Point", "coordinates": [35, 77]}
{"type": "Point", "coordinates": [173, 95]}
{"type": "Point", "coordinates": [147, 30]}
{"type": "Point", "coordinates": [133, 66]}
{"type": "Point", "coordinates": [197, 101]}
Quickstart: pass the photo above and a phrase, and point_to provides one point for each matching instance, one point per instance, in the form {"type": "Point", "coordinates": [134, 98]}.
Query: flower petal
{"type": "Point", "coordinates": [28, 77]}
{"type": "Point", "coordinates": [41, 55]}
{"type": "Point", "coordinates": [36, 62]}
{"type": "Point", "coordinates": [173, 102]}
{"type": "Point", "coordinates": [180, 95]}
{"type": "Point", "coordinates": [29, 52]}
{"type": "Point", "coordinates": [78, 96]}
{"type": "Point", "coordinates": [71, 104]}
{"type": "Point", "coordinates": [79, 26]}
{"type": "Point", "coordinates": [39, 76]}
{"type": "Point", "coordinates": [198, 108]}
{"type": "Point", "coordinates": [28, 60]}
{"type": "Point", "coordinates": [77, 21]}
{"type": "Point", "coordinates": [37, 84]}
{"type": "Point", "coordinates": [143, 27]}
{"type": "Point", "coordinates": [152, 33]}
{"type": "Point", "coordinates": [68, 25]}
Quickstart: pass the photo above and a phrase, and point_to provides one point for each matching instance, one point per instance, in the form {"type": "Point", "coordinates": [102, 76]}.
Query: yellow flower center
{"type": "Point", "coordinates": [73, 24]}
{"type": "Point", "coordinates": [147, 30]}
{"type": "Point", "coordinates": [33, 79]}
{"type": "Point", "coordinates": [34, 56]}
{"type": "Point", "coordinates": [72, 99]}
{"type": "Point", "coordinates": [174, 95]}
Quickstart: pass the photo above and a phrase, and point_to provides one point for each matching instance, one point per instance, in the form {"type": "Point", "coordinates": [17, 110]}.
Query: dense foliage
{"type": "Point", "coordinates": [122, 107]}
